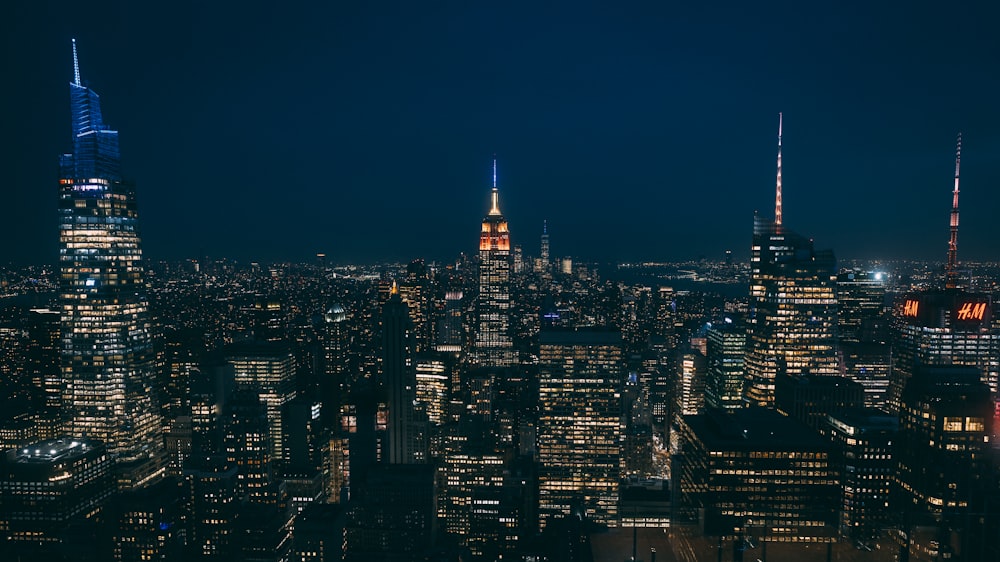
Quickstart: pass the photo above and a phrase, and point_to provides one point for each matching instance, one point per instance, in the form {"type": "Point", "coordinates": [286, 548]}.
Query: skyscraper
{"type": "Point", "coordinates": [950, 326]}
{"type": "Point", "coordinates": [792, 323]}
{"type": "Point", "coordinates": [580, 424]}
{"type": "Point", "coordinates": [407, 437]}
{"type": "Point", "coordinates": [494, 347]}
{"type": "Point", "coordinates": [107, 357]}
{"type": "Point", "coordinates": [545, 261]}
{"type": "Point", "coordinates": [724, 382]}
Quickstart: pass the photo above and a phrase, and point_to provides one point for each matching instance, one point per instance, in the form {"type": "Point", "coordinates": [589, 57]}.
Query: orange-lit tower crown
{"type": "Point", "coordinates": [495, 235]}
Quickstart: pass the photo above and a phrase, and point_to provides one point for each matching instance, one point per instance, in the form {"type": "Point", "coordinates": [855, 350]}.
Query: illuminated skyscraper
{"type": "Point", "coordinates": [580, 424]}
{"type": "Point", "coordinates": [494, 347]}
{"type": "Point", "coordinates": [724, 381]}
{"type": "Point", "coordinates": [793, 306]}
{"type": "Point", "coordinates": [950, 326]}
{"type": "Point", "coordinates": [266, 369]}
{"type": "Point", "coordinates": [107, 358]}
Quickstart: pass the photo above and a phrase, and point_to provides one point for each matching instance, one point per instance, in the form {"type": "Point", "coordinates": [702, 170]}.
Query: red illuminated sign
{"type": "Point", "coordinates": [971, 311]}
{"type": "Point", "coordinates": [910, 308]}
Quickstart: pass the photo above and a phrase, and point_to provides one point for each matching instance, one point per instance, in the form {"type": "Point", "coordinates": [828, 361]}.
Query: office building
{"type": "Point", "coordinates": [792, 322]}
{"type": "Point", "coordinates": [493, 344]}
{"type": "Point", "coordinates": [864, 440]}
{"type": "Point", "coordinates": [266, 369]}
{"type": "Point", "coordinates": [46, 486]}
{"type": "Point", "coordinates": [580, 424]}
{"type": "Point", "coordinates": [725, 346]}
{"type": "Point", "coordinates": [110, 391]}
{"type": "Point", "coordinates": [755, 472]}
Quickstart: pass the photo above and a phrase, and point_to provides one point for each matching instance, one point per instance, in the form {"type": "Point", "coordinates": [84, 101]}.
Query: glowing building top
{"type": "Point", "coordinates": [95, 146]}
{"type": "Point", "coordinates": [494, 235]}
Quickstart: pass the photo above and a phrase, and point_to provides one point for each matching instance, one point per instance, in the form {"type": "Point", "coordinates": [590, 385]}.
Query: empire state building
{"type": "Point", "coordinates": [493, 347]}
{"type": "Point", "coordinates": [106, 350]}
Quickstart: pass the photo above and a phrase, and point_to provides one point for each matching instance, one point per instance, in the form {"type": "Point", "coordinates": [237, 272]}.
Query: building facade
{"type": "Point", "coordinates": [110, 391]}
{"type": "Point", "coordinates": [493, 344]}
{"type": "Point", "coordinates": [792, 325]}
{"type": "Point", "coordinates": [580, 424]}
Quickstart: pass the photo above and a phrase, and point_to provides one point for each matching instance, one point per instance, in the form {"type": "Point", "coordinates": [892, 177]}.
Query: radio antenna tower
{"type": "Point", "coordinates": [951, 270]}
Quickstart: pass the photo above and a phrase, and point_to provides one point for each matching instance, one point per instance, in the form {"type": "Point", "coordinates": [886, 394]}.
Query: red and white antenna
{"type": "Point", "coordinates": [951, 269]}
{"type": "Point", "coordinates": [777, 192]}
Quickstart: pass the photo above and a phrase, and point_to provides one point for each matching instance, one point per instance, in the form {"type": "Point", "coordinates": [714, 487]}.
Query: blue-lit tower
{"type": "Point", "coordinates": [106, 350]}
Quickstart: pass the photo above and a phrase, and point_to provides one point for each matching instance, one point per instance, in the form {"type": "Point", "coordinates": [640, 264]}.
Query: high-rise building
{"type": "Point", "coordinates": [949, 326]}
{"type": "Point", "coordinates": [493, 344]}
{"type": "Point", "coordinates": [726, 346]}
{"type": "Point", "coordinates": [864, 438]}
{"type": "Point", "coordinates": [689, 386]}
{"type": "Point", "coordinates": [545, 260]}
{"type": "Point", "coordinates": [336, 343]}
{"type": "Point", "coordinates": [580, 424]}
{"type": "Point", "coordinates": [266, 369]}
{"type": "Point", "coordinates": [433, 391]}
{"type": "Point", "coordinates": [860, 300]}
{"type": "Point", "coordinates": [943, 451]}
{"type": "Point", "coordinates": [450, 331]}
{"type": "Point", "coordinates": [391, 517]}
{"type": "Point", "coordinates": [407, 437]}
{"type": "Point", "coordinates": [107, 350]}
{"type": "Point", "coordinates": [753, 471]}
{"type": "Point", "coordinates": [792, 325]}
{"type": "Point", "coordinates": [44, 369]}
{"type": "Point", "coordinates": [47, 485]}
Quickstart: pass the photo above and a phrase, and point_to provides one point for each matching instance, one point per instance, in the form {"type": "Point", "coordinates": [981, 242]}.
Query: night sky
{"type": "Point", "coordinates": [645, 130]}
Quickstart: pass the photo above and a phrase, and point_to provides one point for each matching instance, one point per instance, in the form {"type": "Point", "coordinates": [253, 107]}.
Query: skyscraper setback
{"type": "Point", "coordinates": [106, 351]}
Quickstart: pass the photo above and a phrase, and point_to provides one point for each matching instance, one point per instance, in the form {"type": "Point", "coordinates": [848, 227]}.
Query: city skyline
{"type": "Point", "coordinates": [623, 119]}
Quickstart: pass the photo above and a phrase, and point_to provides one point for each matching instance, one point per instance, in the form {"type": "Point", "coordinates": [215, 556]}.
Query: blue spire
{"type": "Point", "coordinates": [76, 65]}
{"type": "Point", "coordinates": [95, 146]}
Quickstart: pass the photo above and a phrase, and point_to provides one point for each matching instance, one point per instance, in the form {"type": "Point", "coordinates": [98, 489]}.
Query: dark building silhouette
{"type": "Point", "coordinates": [809, 398]}
{"type": "Point", "coordinates": [407, 432]}
{"type": "Point", "coordinates": [864, 438]}
{"type": "Point", "coordinates": [943, 450]}
{"type": "Point", "coordinates": [392, 516]}
{"type": "Point", "coordinates": [754, 471]}
{"type": "Point", "coordinates": [48, 486]}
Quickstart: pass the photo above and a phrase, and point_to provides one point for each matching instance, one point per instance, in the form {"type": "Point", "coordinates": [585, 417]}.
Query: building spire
{"type": "Point", "coordinates": [951, 269]}
{"type": "Point", "coordinates": [76, 66]}
{"type": "Point", "coordinates": [545, 226]}
{"type": "Point", "coordinates": [777, 193]}
{"type": "Point", "coordinates": [495, 208]}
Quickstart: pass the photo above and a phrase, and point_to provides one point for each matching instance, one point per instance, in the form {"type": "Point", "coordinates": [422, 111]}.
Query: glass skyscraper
{"type": "Point", "coordinates": [106, 348]}
{"type": "Point", "coordinates": [792, 325]}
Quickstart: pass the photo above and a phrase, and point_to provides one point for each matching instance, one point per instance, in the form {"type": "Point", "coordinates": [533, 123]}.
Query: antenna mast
{"type": "Point", "coordinates": [76, 65]}
{"type": "Point", "coordinates": [777, 193]}
{"type": "Point", "coordinates": [951, 269]}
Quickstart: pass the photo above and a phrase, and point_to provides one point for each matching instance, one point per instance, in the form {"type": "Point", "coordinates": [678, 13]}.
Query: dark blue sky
{"type": "Point", "coordinates": [639, 130]}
